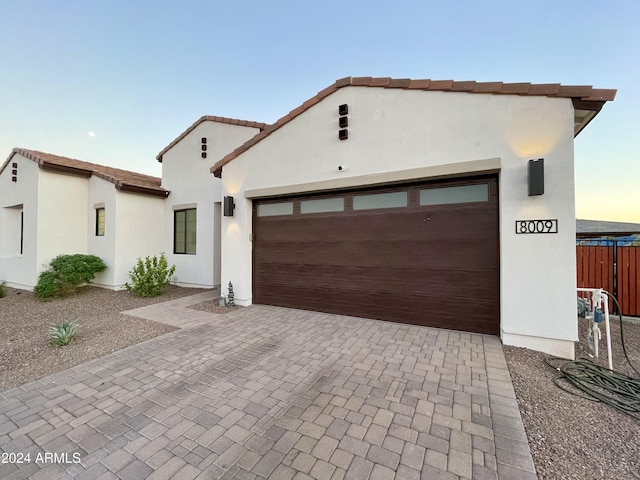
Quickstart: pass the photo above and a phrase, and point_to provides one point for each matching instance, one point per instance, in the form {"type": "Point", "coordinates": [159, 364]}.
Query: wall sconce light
{"type": "Point", "coordinates": [228, 206]}
{"type": "Point", "coordinates": [536, 177]}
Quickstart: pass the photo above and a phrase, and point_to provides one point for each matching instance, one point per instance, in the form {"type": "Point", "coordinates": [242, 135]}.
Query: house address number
{"type": "Point", "coordinates": [536, 226]}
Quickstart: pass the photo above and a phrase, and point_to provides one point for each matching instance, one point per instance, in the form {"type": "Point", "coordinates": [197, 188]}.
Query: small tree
{"type": "Point", "coordinates": [151, 276]}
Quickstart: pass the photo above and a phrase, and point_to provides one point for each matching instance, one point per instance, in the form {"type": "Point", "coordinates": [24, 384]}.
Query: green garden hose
{"type": "Point", "coordinates": [598, 383]}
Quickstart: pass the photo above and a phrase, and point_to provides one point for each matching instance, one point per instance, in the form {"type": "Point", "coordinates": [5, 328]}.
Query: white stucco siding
{"type": "Point", "coordinates": [19, 270]}
{"type": "Point", "coordinates": [102, 194]}
{"type": "Point", "coordinates": [187, 176]}
{"type": "Point", "coordinates": [393, 130]}
{"type": "Point", "coordinates": [139, 231]}
{"type": "Point", "coordinates": [62, 216]}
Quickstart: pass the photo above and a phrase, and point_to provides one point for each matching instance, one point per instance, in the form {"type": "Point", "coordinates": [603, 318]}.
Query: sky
{"type": "Point", "coordinates": [114, 82]}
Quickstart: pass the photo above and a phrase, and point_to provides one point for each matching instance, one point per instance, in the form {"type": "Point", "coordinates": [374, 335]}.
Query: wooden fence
{"type": "Point", "coordinates": [612, 267]}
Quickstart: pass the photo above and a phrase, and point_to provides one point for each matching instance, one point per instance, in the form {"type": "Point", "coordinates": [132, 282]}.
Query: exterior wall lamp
{"type": "Point", "coordinates": [536, 177]}
{"type": "Point", "coordinates": [228, 206]}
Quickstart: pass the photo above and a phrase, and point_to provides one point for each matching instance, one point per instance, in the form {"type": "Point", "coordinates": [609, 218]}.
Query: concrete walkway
{"type": "Point", "coordinates": [267, 392]}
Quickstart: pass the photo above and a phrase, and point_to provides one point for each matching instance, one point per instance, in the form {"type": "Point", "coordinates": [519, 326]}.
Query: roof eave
{"type": "Point", "coordinates": [126, 187]}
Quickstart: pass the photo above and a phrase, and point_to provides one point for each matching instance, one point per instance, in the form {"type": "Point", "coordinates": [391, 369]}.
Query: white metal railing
{"type": "Point", "coordinates": [598, 299]}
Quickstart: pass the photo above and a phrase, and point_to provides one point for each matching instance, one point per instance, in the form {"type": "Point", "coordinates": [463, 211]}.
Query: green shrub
{"type": "Point", "coordinates": [3, 290]}
{"type": "Point", "coordinates": [48, 285]}
{"type": "Point", "coordinates": [149, 277]}
{"type": "Point", "coordinates": [77, 269]}
{"type": "Point", "coordinates": [66, 273]}
{"type": "Point", "coordinates": [63, 333]}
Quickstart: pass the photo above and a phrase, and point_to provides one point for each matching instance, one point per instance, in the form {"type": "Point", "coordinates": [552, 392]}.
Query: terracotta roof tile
{"type": "Point", "coordinates": [463, 86]}
{"type": "Point", "coordinates": [487, 87]}
{"type": "Point", "coordinates": [572, 91]}
{"type": "Point", "coordinates": [380, 82]}
{"type": "Point", "coordinates": [420, 84]}
{"type": "Point", "coordinates": [399, 82]}
{"type": "Point", "coordinates": [549, 89]}
{"type": "Point", "coordinates": [584, 94]}
{"type": "Point", "coordinates": [210, 118]}
{"type": "Point", "coordinates": [360, 82]}
{"type": "Point", "coordinates": [123, 179]}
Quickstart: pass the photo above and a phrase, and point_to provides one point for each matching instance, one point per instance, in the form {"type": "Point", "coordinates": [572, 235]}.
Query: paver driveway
{"type": "Point", "coordinates": [267, 392]}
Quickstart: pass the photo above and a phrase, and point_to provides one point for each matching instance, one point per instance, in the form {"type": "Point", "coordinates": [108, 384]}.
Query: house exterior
{"type": "Point", "coordinates": [415, 201]}
{"type": "Point", "coordinates": [192, 213]}
{"type": "Point", "coordinates": [52, 205]}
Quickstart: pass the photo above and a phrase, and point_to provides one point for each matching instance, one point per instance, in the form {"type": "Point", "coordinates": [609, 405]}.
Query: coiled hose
{"type": "Point", "coordinates": [598, 383]}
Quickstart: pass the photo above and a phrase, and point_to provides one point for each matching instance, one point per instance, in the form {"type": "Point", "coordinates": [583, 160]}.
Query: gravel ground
{"type": "Point", "coordinates": [570, 437]}
{"type": "Point", "coordinates": [213, 306]}
{"type": "Point", "coordinates": [25, 351]}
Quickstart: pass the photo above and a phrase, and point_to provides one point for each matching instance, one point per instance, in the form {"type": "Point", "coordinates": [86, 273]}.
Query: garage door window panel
{"type": "Point", "coordinates": [380, 200]}
{"type": "Point", "coordinates": [457, 194]}
{"type": "Point", "coordinates": [275, 209]}
{"type": "Point", "coordinates": [322, 205]}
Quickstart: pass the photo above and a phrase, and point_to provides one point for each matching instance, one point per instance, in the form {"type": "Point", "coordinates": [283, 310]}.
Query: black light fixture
{"type": "Point", "coordinates": [228, 206]}
{"type": "Point", "coordinates": [536, 177]}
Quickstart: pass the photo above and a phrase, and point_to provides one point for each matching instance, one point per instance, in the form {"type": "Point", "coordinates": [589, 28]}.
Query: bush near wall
{"type": "Point", "coordinates": [66, 273]}
{"type": "Point", "coordinates": [150, 276]}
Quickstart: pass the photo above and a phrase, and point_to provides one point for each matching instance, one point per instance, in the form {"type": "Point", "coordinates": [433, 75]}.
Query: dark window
{"type": "Point", "coordinates": [184, 231]}
{"type": "Point", "coordinates": [100, 221]}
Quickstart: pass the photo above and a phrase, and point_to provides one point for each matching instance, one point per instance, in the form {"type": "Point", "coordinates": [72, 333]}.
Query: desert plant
{"type": "Point", "coordinates": [66, 273]}
{"type": "Point", "coordinates": [48, 285]}
{"type": "Point", "coordinates": [149, 277]}
{"type": "Point", "coordinates": [3, 290]}
{"type": "Point", "coordinates": [63, 333]}
{"type": "Point", "coordinates": [77, 269]}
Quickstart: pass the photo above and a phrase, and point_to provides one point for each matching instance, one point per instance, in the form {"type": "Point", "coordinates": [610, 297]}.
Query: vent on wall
{"type": "Point", "coordinates": [203, 147]}
{"type": "Point", "coordinates": [343, 121]}
{"type": "Point", "coordinates": [14, 172]}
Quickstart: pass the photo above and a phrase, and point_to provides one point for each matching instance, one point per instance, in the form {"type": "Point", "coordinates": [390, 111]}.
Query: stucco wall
{"type": "Point", "coordinates": [102, 194]}
{"type": "Point", "coordinates": [416, 132]}
{"type": "Point", "coordinates": [62, 216]}
{"type": "Point", "coordinates": [138, 233]}
{"type": "Point", "coordinates": [187, 176]}
{"type": "Point", "coordinates": [16, 269]}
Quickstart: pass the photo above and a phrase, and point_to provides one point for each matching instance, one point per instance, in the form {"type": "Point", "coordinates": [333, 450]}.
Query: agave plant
{"type": "Point", "coordinates": [63, 333]}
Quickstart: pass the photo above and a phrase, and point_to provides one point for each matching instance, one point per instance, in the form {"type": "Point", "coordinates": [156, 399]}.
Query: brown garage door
{"type": "Point", "coordinates": [425, 254]}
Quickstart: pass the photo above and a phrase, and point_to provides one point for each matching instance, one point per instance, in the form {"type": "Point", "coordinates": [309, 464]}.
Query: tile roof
{"type": "Point", "coordinates": [210, 118]}
{"type": "Point", "coordinates": [124, 180]}
{"type": "Point", "coordinates": [584, 97]}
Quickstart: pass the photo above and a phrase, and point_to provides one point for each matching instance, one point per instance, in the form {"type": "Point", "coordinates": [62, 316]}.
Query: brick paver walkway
{"type": "Point", "coordinates": [267, 392]}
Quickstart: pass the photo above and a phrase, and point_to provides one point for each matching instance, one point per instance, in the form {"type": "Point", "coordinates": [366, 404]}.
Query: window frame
{"type": "Point", "coordinates": [104, 222]}
{"type": "Point", "coordinates": [185, 250]}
